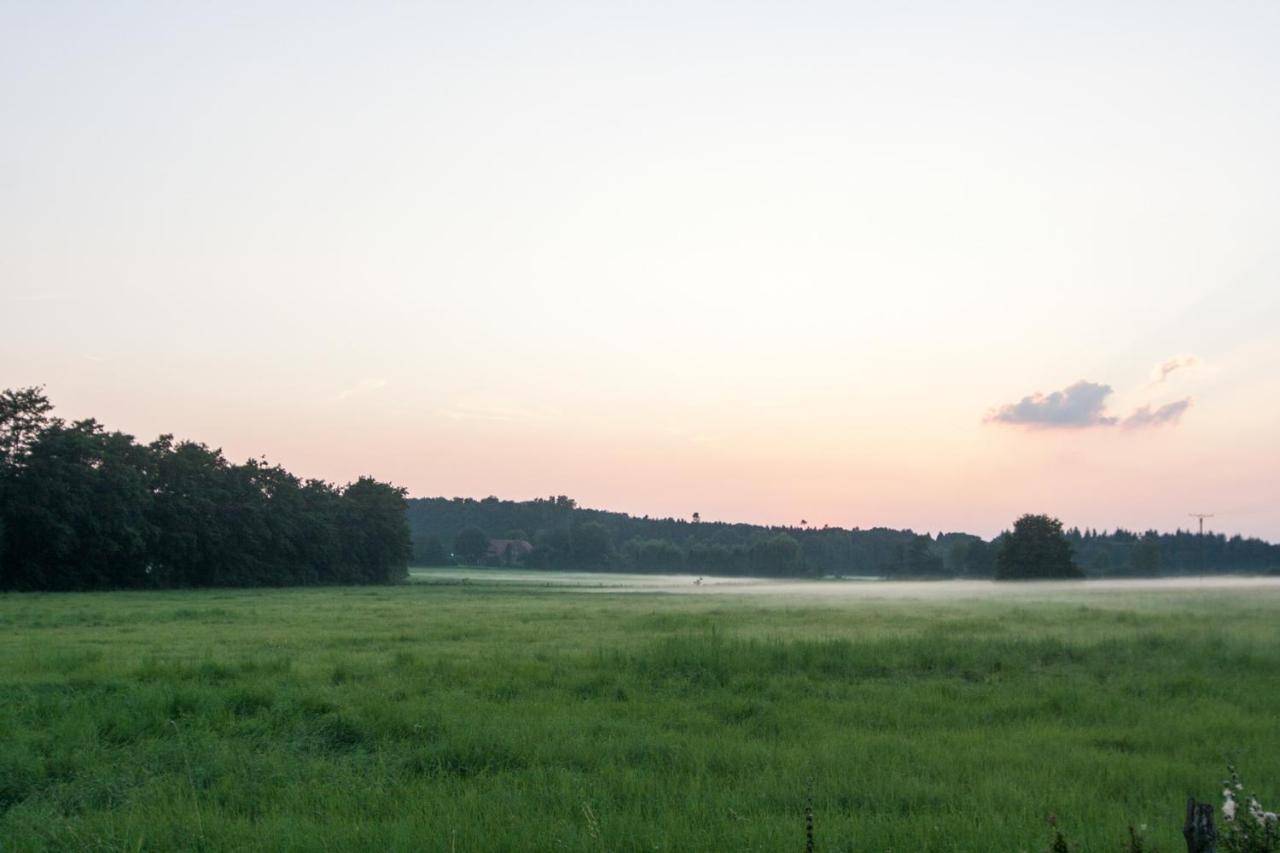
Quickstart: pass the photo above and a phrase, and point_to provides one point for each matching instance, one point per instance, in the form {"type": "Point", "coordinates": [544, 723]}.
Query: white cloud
{"type": "Point", "coordinates": [1162, 370]}
{"type": "Point", "coordinates": [1169, 413]}
{"type": "Point", "coordinates": [1079, 405]}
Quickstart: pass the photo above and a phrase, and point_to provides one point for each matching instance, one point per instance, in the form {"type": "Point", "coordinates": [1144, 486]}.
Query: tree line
{"type": "Point", "coordinates": [566, 536]}
{"type": "Point", "coordinates": [82, 507]}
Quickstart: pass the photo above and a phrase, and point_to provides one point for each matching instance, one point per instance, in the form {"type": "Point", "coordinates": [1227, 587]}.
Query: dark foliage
{"type": "Point", "coordinates": [1183, 552]}
{"type": "Point", "coordinates": [84, 508]}
{"type": "Point", "coordinates": [644, 544]}
{"type": "Point", "coordinates": [470, 545]}
{"type": "Point", "coordinates": [654, 555]}
{"type": "Point", "coordinates": [1037, 549]}
{"type": "Point", "coordinates": [430, 551]}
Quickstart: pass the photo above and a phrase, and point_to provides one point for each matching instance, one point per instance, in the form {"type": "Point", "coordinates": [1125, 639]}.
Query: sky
{"type": "Point", "coordinates": [925, 265]}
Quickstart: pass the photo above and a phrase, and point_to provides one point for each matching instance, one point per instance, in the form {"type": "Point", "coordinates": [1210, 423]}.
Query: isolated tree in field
{"type": "Point", "coordinates": [1037, 549]}
{"type": "Point", "coordinates": [470, 545]}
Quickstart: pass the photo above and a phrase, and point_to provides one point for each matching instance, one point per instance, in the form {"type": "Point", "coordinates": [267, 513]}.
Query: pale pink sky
{"type": "Point", "coordinates": [765, 263]}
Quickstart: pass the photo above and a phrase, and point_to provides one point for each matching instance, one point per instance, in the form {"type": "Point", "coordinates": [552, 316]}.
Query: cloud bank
{"type": "Point", "coordinates": [1081, 406]}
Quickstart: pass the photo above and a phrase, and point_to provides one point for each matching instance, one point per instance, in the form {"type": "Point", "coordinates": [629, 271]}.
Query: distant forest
{"type": "Point", "coordinates": [566, 536]}
{"type": "Point", "coordinates": [82, 507]}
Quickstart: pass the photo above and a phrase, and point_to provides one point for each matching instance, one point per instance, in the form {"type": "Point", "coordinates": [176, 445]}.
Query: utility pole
{"type": "Point", "coordinates": [1202, 516]}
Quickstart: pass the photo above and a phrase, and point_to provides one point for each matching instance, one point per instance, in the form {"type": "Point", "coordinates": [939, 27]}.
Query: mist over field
{"type": "Point", "coordinates": [840, 592]}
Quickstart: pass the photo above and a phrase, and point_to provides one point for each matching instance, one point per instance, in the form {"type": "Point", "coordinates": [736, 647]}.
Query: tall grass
{"type": "Point", "coordinates": [488, 718]}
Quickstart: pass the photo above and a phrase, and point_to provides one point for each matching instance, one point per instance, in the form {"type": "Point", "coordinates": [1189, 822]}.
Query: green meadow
{"type": "Point", "coordinates": [504, 714]}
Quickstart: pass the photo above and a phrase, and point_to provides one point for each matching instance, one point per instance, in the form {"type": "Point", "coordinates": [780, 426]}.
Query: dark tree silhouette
{"type": "Point", "coordinates": [470, 545]}
{"type": "Point", "coordinates": [24, 414]}
{"type": "Point", "coordinates": [85, 508]}
{"type": "Point", "coordinates": [1145, 557]}
{"type": "Point", "coordinates": [430, 551]}
{"type": "Point", "coordinates": [653, 555]}
{"type": "Point", "coordinates": [592, 545]}
{"type": "Point", "coordinates": [1036, 549]}
{"type": "Point", "coordinates": [721, 548]}
{"type": "Point", "coordinates": [777, 555]}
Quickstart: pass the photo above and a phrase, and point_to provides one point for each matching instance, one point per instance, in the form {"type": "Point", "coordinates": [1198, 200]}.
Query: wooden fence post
{"type": "Point", "coordinates": [1198, 828]}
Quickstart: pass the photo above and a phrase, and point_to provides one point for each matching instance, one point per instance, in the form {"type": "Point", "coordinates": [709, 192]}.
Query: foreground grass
{"type": "Point", "coordinates": [497, 717]}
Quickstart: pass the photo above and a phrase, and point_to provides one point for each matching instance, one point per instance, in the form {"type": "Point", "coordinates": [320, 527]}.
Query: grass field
{"type": "Point", "coordinates": [506, 715]}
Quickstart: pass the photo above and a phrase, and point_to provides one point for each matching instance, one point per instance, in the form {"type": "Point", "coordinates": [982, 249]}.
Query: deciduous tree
{"type": "Point", "coordinates": [1037, 549]}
